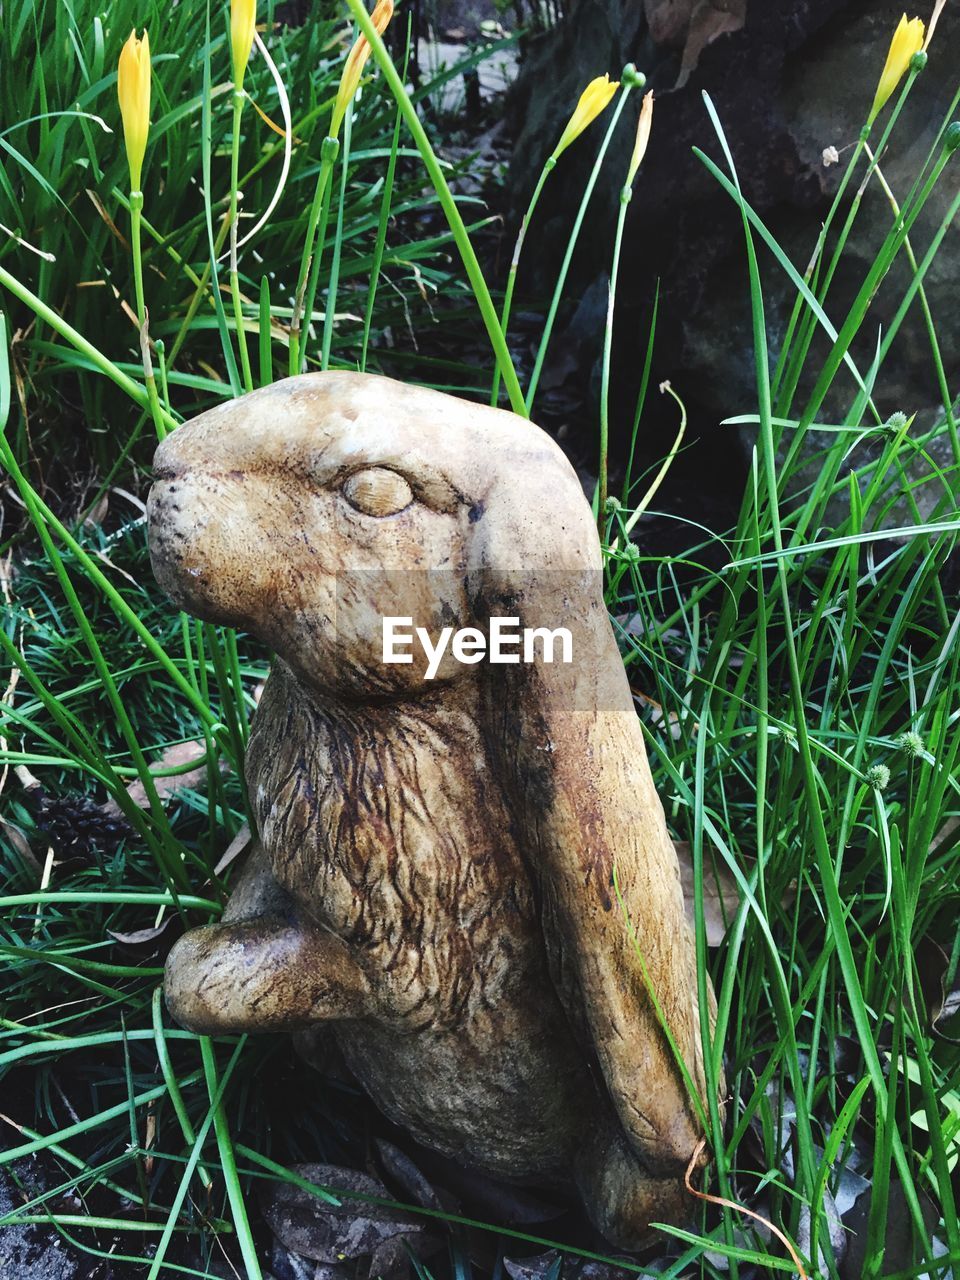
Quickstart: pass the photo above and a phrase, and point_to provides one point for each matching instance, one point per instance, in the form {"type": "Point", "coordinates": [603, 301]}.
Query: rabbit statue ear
{"type": "Point", "coordinates": [570, 750]}
{"type": "Point", "coordinates": [612, 907]}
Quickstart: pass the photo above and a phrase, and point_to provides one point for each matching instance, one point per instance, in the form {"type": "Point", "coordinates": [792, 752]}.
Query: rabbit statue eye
{"type": "Point", "coordinates": [376, 491]}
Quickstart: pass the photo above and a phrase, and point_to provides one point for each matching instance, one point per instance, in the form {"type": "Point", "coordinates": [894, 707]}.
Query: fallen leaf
{"type": "Point", "coordinates": [898, 1227]}
{"type": "Point", "coordinates": [139, 936]}
{"type": "Point", "coordinates": [398, 1165]}
{"type": "Point", "coordinates": [234, 849]}
{"type": "Point", "coordinates": [721, 894]}
{"type": "Point", "coordinates": [96, 515]}
{"type": "Point", "coordinates": [180, 753]}
{"type": "Point", "coordinates": [513, 1206]}
{"type": "Point", "coordinates": [838, 1236]}
{"type": "Point", "coordinates": [352, 1230]}
{"type": "Point", "coordinates": [668, 20]}
{"type": "Point", "coordinates": [950, 1006]}
{"type": "Point", "coordinates": [21, 845]}
{"type": "Point", "coordinates": [933, 964]}
{"type": "Point", "coordinates": [709, 20]}
{"type": "Point", "coordinates": [536, 1268]}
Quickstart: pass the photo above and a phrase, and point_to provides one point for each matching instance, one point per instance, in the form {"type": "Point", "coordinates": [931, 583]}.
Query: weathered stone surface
{"type": "Point", "coordinates": [30, 1252]}
{"type": "Point", "coordinates": [435, 878]}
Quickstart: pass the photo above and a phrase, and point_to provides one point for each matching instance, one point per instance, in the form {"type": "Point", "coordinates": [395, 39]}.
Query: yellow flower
{"type": "Point", "coordinates": [643, 136]}
{"type": "Point", "coordinates": [356, 61]}
{"type": "Point", "coordinates": [133, 90]}
{"type": "Point", "coordinates": [593, 100]}
{"type": "Point", "coordinates": [907, 40]}
{"type": "Point", "coordinates": [243, 24]}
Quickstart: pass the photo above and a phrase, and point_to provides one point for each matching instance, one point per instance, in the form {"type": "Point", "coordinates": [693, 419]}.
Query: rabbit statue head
{"type": "Point", "coordinates": [308, 511]}
{"type": "Point", "coordinates": [464, 871]}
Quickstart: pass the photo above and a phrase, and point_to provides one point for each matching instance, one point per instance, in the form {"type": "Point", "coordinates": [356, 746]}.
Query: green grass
{"type": "Point", "coordinates": [64, 191]}
{"type": "Point", "coordinates": [801, 704]}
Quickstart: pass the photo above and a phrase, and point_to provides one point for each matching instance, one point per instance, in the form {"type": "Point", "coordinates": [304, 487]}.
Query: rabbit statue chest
{"type": "Point", "coordinates": [377, 830]}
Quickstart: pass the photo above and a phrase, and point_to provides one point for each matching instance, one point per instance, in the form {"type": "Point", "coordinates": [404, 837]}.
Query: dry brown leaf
{"type": "Point", "coordinates": [234, 849]}
{"type": "Point", "coordinates": [179, 754]}
{"type": "Point", "coordinates": [536, 1267]}
{"type": "Point", "coordinates": [96, 515]}
{"type": "Point", "coordinates": [398, 1165]}
{"type": "Point", "coordinates": [102, 211]}
{"type": "Point", "coordinates": [331, 1234]}
{"type": "Point", "coordinates": [710, 20]}
{"type": "Point", "coordinates": [721, 895]}
{"type": "Point", "coordinates": [138, 936]}
{"type": "Point", "coordinates": [668, 20]}
{"type": "Point", "coordinates": [22, 846]}
{"type": "Point", "coordinates": [740, 1208]}
{"type": "Point", "coordinates": [691, 25]}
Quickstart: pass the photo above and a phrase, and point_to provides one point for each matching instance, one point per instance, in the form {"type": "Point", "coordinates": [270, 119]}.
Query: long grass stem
{"type": "Point", "coordinates": [309, 275]}
{"type": "Point", "coordinates": [625, 196]}
{"type": "Point", "coordinates": [238, 100]}
{"type": "Point", "coordinates": [449, 205]}
{"type": "Point", "coordinates": [545, 172]}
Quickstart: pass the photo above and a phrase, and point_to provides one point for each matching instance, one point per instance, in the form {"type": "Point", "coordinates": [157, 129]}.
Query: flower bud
{"type": "Point", "coordinates": [356, 61]}
{"type": "Point", "coordinates": [243, 25]}
{"type": "Point", "coordinates": [133, 91]}
{"type": "Point", "coordinates": [594, 99]}
{"type": "Point", "coordinates": [643, 136]}
{"type": "Point", "coordinates": [907, 41]}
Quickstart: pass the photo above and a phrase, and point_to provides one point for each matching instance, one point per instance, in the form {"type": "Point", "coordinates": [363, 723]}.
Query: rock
{"type": "Point", "coordinates": [789, 81]}
{"type": "Point", "coordinates": [30, 1252]}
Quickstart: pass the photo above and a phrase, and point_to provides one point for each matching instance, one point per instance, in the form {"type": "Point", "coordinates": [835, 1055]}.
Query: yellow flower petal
{"type": "Point", "coordinates": [356, 61]}
{"type": "Point", "coordinates": [643, 136]}
{"type": "Point", "coordinates": [595, 97]}
{"type": "Point", "coordinates": [133, 91]}
{"type": "Point", "coordinates": [907, 40]}
{"type": "Point", "coordinates": [243, 26]}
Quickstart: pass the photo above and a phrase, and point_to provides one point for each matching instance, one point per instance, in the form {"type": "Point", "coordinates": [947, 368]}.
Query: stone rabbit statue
{"type": "Point", "coordinates": [445, 866]}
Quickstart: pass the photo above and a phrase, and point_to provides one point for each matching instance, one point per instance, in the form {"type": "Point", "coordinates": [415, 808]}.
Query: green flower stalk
{"type": "Point", "coordinates": [243, 25]}
{"type": "Point", "coordinates": [592, 102]}
{"type": "Point", "coordinates": [447, 203]}
{"type": "Point", "coordinates": [905, 55]}
{"type": "Point", "coordinates": [133, 92]}
{"type": "Point", "coordinates": [641, 142]}
{"type": "Point", "coordinates": [632, 79]}
{"type": "Point", "coordinates": [309, 276]}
